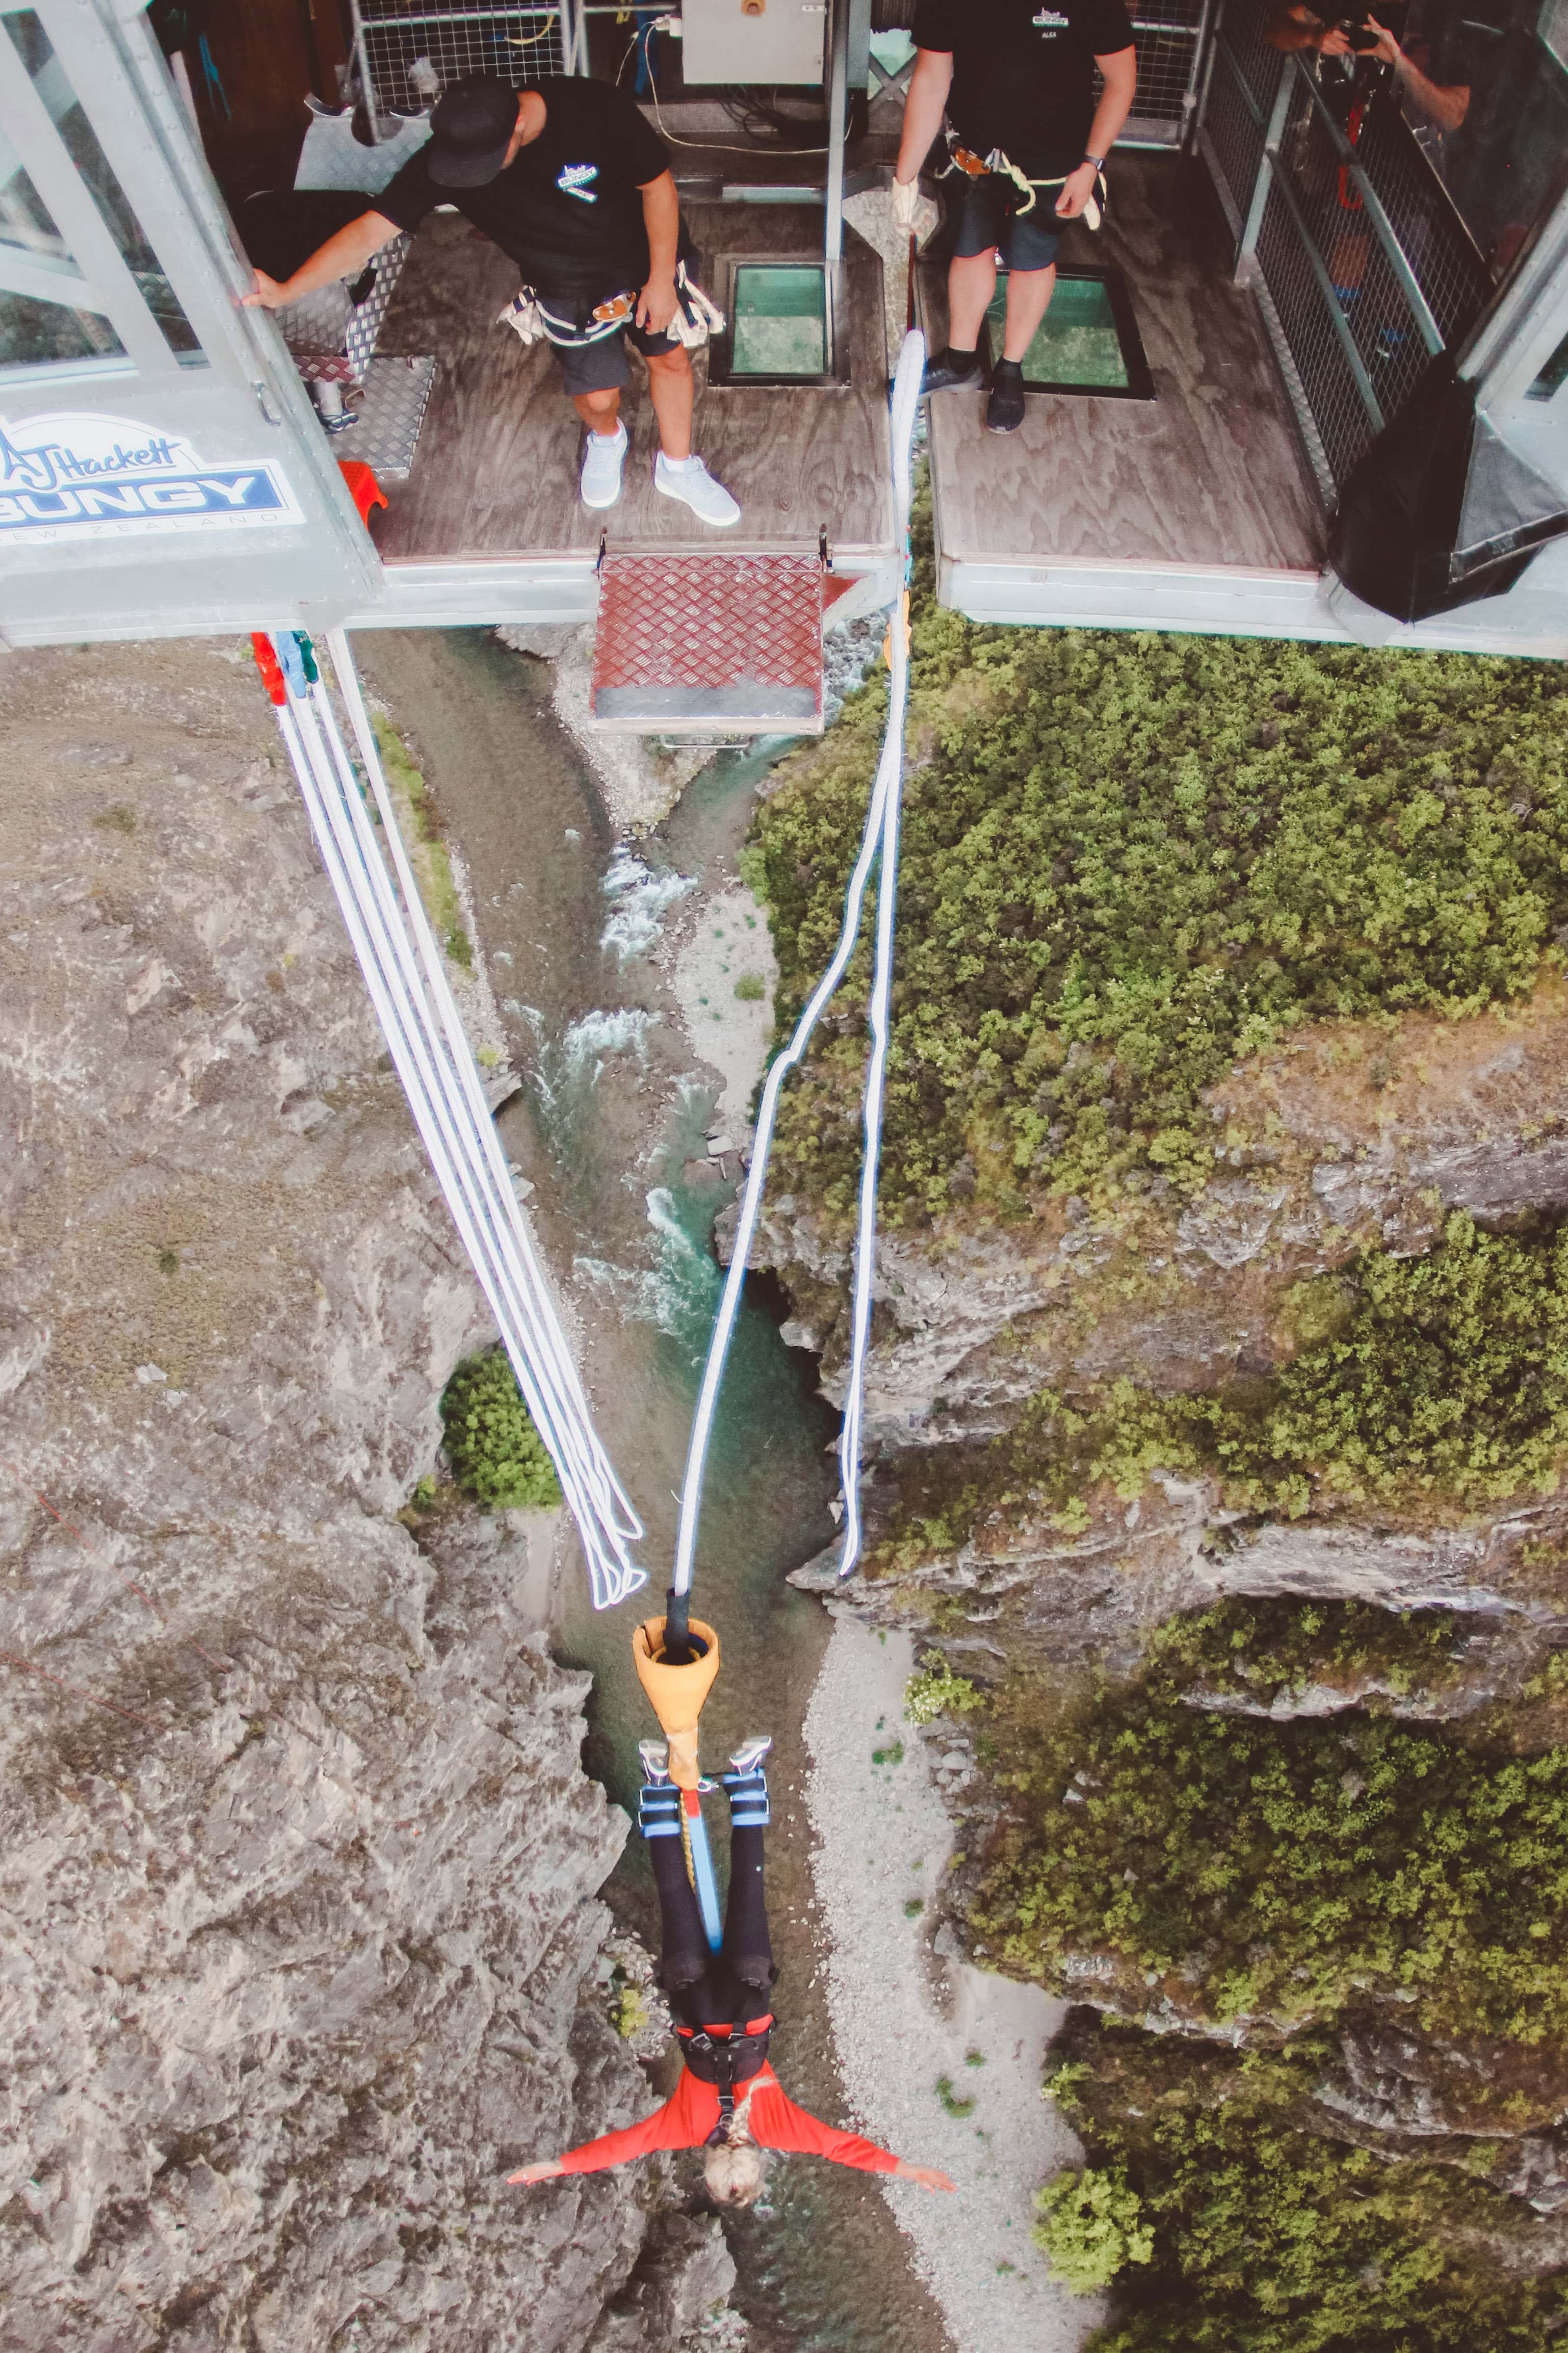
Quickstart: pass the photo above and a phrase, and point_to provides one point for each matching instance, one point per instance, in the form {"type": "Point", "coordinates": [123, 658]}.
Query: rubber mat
{"type": "Point", "coordinates": [723, 643]}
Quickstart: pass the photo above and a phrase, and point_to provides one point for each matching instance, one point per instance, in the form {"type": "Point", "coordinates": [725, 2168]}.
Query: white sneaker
{"type": "Point", "coordinates": [602, 462]}
{"type": "Point", "coordinates": [690, 481]}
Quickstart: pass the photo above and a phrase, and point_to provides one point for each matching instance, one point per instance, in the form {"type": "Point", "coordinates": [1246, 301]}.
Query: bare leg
{"type": "Point", "coordinates": [1029, 295]}
{"type": "Point", "coordinates": [670, 384]}
{"type": "Point", "coordinates": [600, 411]}
{"type": "Point", "coordinates": [971, 283]}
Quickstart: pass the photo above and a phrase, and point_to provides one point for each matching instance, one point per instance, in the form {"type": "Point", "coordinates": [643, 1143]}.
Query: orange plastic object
{"type": "Point", "coordinates": [267, 663]}
{"type": "Point", "coordinates": [677, 1693]}
{"type": "Point", "coordinates": [363, 489]}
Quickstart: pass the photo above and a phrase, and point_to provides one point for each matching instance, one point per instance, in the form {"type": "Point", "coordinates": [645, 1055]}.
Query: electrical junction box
{"type": "Point", "coordinates": [752, 40]}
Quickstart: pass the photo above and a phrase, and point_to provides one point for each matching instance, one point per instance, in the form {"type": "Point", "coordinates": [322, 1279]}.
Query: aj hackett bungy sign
{"type": "Point", "coordinates": [82, 477]}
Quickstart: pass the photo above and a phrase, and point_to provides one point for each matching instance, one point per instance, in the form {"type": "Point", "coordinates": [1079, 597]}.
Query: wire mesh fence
{"type": "Point", "coordinates": [1167, 54]}
{"type": "Point", "coordinates": [1167, 33]}
{"type": "Point", "coordinates": [1258, 66]}
{"type": "Point", "coordinates": [1305, 313]}
{"type": "Point", "coordinates": [412, 50]}
{"type": "Point", "coordinates": [1233, 133]}
{"type": "Point", "coordinates": [1365, 262]}
{"type": "Point", "coordinates": [1447, 268]}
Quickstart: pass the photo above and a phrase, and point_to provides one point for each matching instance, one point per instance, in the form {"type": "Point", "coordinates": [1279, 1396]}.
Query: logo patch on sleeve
{"type": "Point", "coordinates": [572, 179]}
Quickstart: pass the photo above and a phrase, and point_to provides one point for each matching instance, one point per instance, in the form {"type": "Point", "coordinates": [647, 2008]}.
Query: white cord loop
{"type": "Point", "coordinates": [880, 836]}
{"type": "Point", "coordinates": [418, 1015]}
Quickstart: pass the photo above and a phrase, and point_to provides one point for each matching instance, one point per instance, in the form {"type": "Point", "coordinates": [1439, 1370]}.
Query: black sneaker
{"type": "Point", "coordinates": [944, 373]}
{"type": "Point", "coordinates": [1005, 409]}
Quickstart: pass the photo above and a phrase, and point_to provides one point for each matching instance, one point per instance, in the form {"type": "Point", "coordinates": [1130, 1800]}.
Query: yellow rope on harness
{"type": "Point", "coordinates": [975, 167]}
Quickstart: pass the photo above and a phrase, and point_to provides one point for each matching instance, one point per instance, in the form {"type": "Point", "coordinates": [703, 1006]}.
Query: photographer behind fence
{"type": "Point", "coordinates": [1376, 61]}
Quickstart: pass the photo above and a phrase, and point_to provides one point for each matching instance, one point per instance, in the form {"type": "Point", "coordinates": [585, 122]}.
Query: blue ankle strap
{"type": "Point", "coordinates": [748, 1796]}
{"type": "Point", "coordinates": [658, 1811]}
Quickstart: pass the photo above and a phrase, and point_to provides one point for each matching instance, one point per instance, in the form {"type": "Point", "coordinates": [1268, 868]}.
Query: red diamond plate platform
{"type": "Point", "coordinates": [725, 642]}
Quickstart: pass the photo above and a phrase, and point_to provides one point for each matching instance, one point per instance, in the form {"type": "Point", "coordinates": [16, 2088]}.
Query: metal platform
{"type": "Point", "coordinates": [691, 643]}
{"type": "Point", "coordinates": [391, 412]}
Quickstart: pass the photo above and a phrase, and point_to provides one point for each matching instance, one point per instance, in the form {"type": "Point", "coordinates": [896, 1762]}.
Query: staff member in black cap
{"type": "Point", "coordinates": [570, 181]}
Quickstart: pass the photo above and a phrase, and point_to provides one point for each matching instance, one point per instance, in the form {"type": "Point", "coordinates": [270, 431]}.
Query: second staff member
{"type": "Point", "coordinates": [1014, 79]}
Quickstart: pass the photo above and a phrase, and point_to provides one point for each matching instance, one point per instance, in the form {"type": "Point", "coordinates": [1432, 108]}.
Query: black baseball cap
{"type": "Point", "coordinates": [470, 131]}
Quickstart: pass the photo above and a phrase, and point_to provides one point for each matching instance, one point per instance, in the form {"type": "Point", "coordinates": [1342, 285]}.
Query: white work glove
{"type": "Point", "coordinates": [523, 315]}
{"type": "Point", "coordinates": [916, 214]}
{"type": "Point", "coordinates": [697, 315]}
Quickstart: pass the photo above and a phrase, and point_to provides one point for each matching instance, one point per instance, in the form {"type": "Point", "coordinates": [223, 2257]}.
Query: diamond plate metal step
{"type": "Point", "coordinates": [391, 412]}
{"type": "Point", "coordinates": [695, 644]}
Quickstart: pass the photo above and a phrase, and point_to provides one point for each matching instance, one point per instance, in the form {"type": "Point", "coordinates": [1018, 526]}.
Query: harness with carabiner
{"type": "Point", "coordinates": [530, 317]}
{"type": "Point", "coordinates": [712, 2057]}
{"type": "Point", "coordinates": [963, 159]}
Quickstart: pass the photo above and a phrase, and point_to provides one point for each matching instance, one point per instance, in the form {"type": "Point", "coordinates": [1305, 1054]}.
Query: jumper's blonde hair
{"type": "Point", "coordinates": [734, 2168]}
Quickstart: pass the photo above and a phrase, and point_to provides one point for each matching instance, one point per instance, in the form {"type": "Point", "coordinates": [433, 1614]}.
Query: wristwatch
{"type": "Point", "coordinates": [1097, 160]}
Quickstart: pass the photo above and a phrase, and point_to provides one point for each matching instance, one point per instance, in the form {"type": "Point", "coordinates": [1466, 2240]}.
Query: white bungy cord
{"type": "Point", "coordinates": [881, 835]}
{"type": "Point", "coordinates": [423, 1031]}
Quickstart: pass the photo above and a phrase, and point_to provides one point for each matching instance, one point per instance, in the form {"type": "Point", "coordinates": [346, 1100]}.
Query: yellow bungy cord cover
{"type": "Point", "coordinates": [677, 1693]}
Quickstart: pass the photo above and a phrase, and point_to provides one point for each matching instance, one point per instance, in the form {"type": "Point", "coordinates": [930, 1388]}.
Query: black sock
{"type": "Point", "coordinates": [962, 359]}
{"type": "Point", "coordinates": [1008, 367]}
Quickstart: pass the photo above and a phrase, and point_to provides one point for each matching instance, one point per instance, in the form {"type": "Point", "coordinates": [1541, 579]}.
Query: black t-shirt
{"type": "Point", "coordinates": [568, 206]}
{"type": "Point", "coordinates": [1023, 72]}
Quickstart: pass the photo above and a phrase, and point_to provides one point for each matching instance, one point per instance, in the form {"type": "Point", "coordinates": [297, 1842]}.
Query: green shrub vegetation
{"type": "Point", "coordinates": [423, 835]}
{"type": "Point", "coordinates": [1284, 1869]}
{"type": "Point", "coordinates": [1429, 1381]}
{"type": "Point", "coordinates": [956, 2103]}
{"type": "Point", "coordinates": [937, 1691]}
{"type": "Point", "coordinates": [1091, 2227]}
{"type": "Point", "coordinates": [1228, 2226]}
{"type": "Point", "coordinates": [495, 1451]}
{"type": "Point", "coordinates": [1128, 859]}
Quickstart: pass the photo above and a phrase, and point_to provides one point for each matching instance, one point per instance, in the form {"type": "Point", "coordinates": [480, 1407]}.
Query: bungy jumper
{"type": "Point", "coordinates": [717, 1970]}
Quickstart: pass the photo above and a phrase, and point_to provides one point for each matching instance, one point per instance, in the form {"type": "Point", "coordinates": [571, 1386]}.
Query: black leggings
{"type": "Point", "coordinates": [730, 1984]}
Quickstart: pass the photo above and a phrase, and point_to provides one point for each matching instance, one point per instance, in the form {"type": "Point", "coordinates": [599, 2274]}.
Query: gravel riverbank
{"type": "Point", "coordinates": [905, 2022]}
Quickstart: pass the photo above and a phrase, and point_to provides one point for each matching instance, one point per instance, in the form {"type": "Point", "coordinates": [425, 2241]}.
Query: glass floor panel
{"type": "Point", "coordinates": [780, 324]}
{"type": "Point", "coordinates": [1086, 343]}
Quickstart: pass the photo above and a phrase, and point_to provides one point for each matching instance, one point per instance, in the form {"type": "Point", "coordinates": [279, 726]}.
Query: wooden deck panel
{"type": "Point", "coordinates": [1209, 472]}
{"type": "Point", "coordinates": [496, 472]}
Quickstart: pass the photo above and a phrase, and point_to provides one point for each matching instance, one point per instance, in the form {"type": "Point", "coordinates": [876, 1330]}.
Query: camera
{"type": "Point", "coordinates": [1358, 33]}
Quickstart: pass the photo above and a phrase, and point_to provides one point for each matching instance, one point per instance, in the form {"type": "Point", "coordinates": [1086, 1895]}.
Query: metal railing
{"type": "Point", "coordinates": [1366, 268]}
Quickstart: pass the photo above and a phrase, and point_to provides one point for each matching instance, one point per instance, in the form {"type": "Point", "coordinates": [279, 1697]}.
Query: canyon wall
{"type": "Point", "coordinates": [299, 1870]}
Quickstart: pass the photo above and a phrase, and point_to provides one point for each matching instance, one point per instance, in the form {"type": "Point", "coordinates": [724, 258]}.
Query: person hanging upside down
{"type": "Point", "coordinates": [728, 2101]}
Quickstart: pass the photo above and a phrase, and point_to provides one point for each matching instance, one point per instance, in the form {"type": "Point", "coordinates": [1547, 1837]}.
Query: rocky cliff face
{"type": "Point", "coordinates": [1348, 1138]}
{"type": "Point", "coordinates": [1343, 1142]}
{"type": "Point", "coordinates": [1340, 1143]}
{"type": "Point", "coordinates": [299, 1867]}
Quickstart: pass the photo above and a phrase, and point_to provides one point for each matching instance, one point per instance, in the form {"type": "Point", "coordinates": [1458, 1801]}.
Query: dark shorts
{"type": "Point", "coordinates": [603, 367]}
{"type": "Point", "coordinates": [987, 218]}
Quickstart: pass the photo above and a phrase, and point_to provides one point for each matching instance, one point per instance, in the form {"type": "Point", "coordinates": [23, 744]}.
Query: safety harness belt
{"type": "Point", "coordinates": [975, 167]}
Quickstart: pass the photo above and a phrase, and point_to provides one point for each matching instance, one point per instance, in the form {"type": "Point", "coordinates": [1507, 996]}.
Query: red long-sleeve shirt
{"type": "Point", "coordinates": [690, 2112]}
